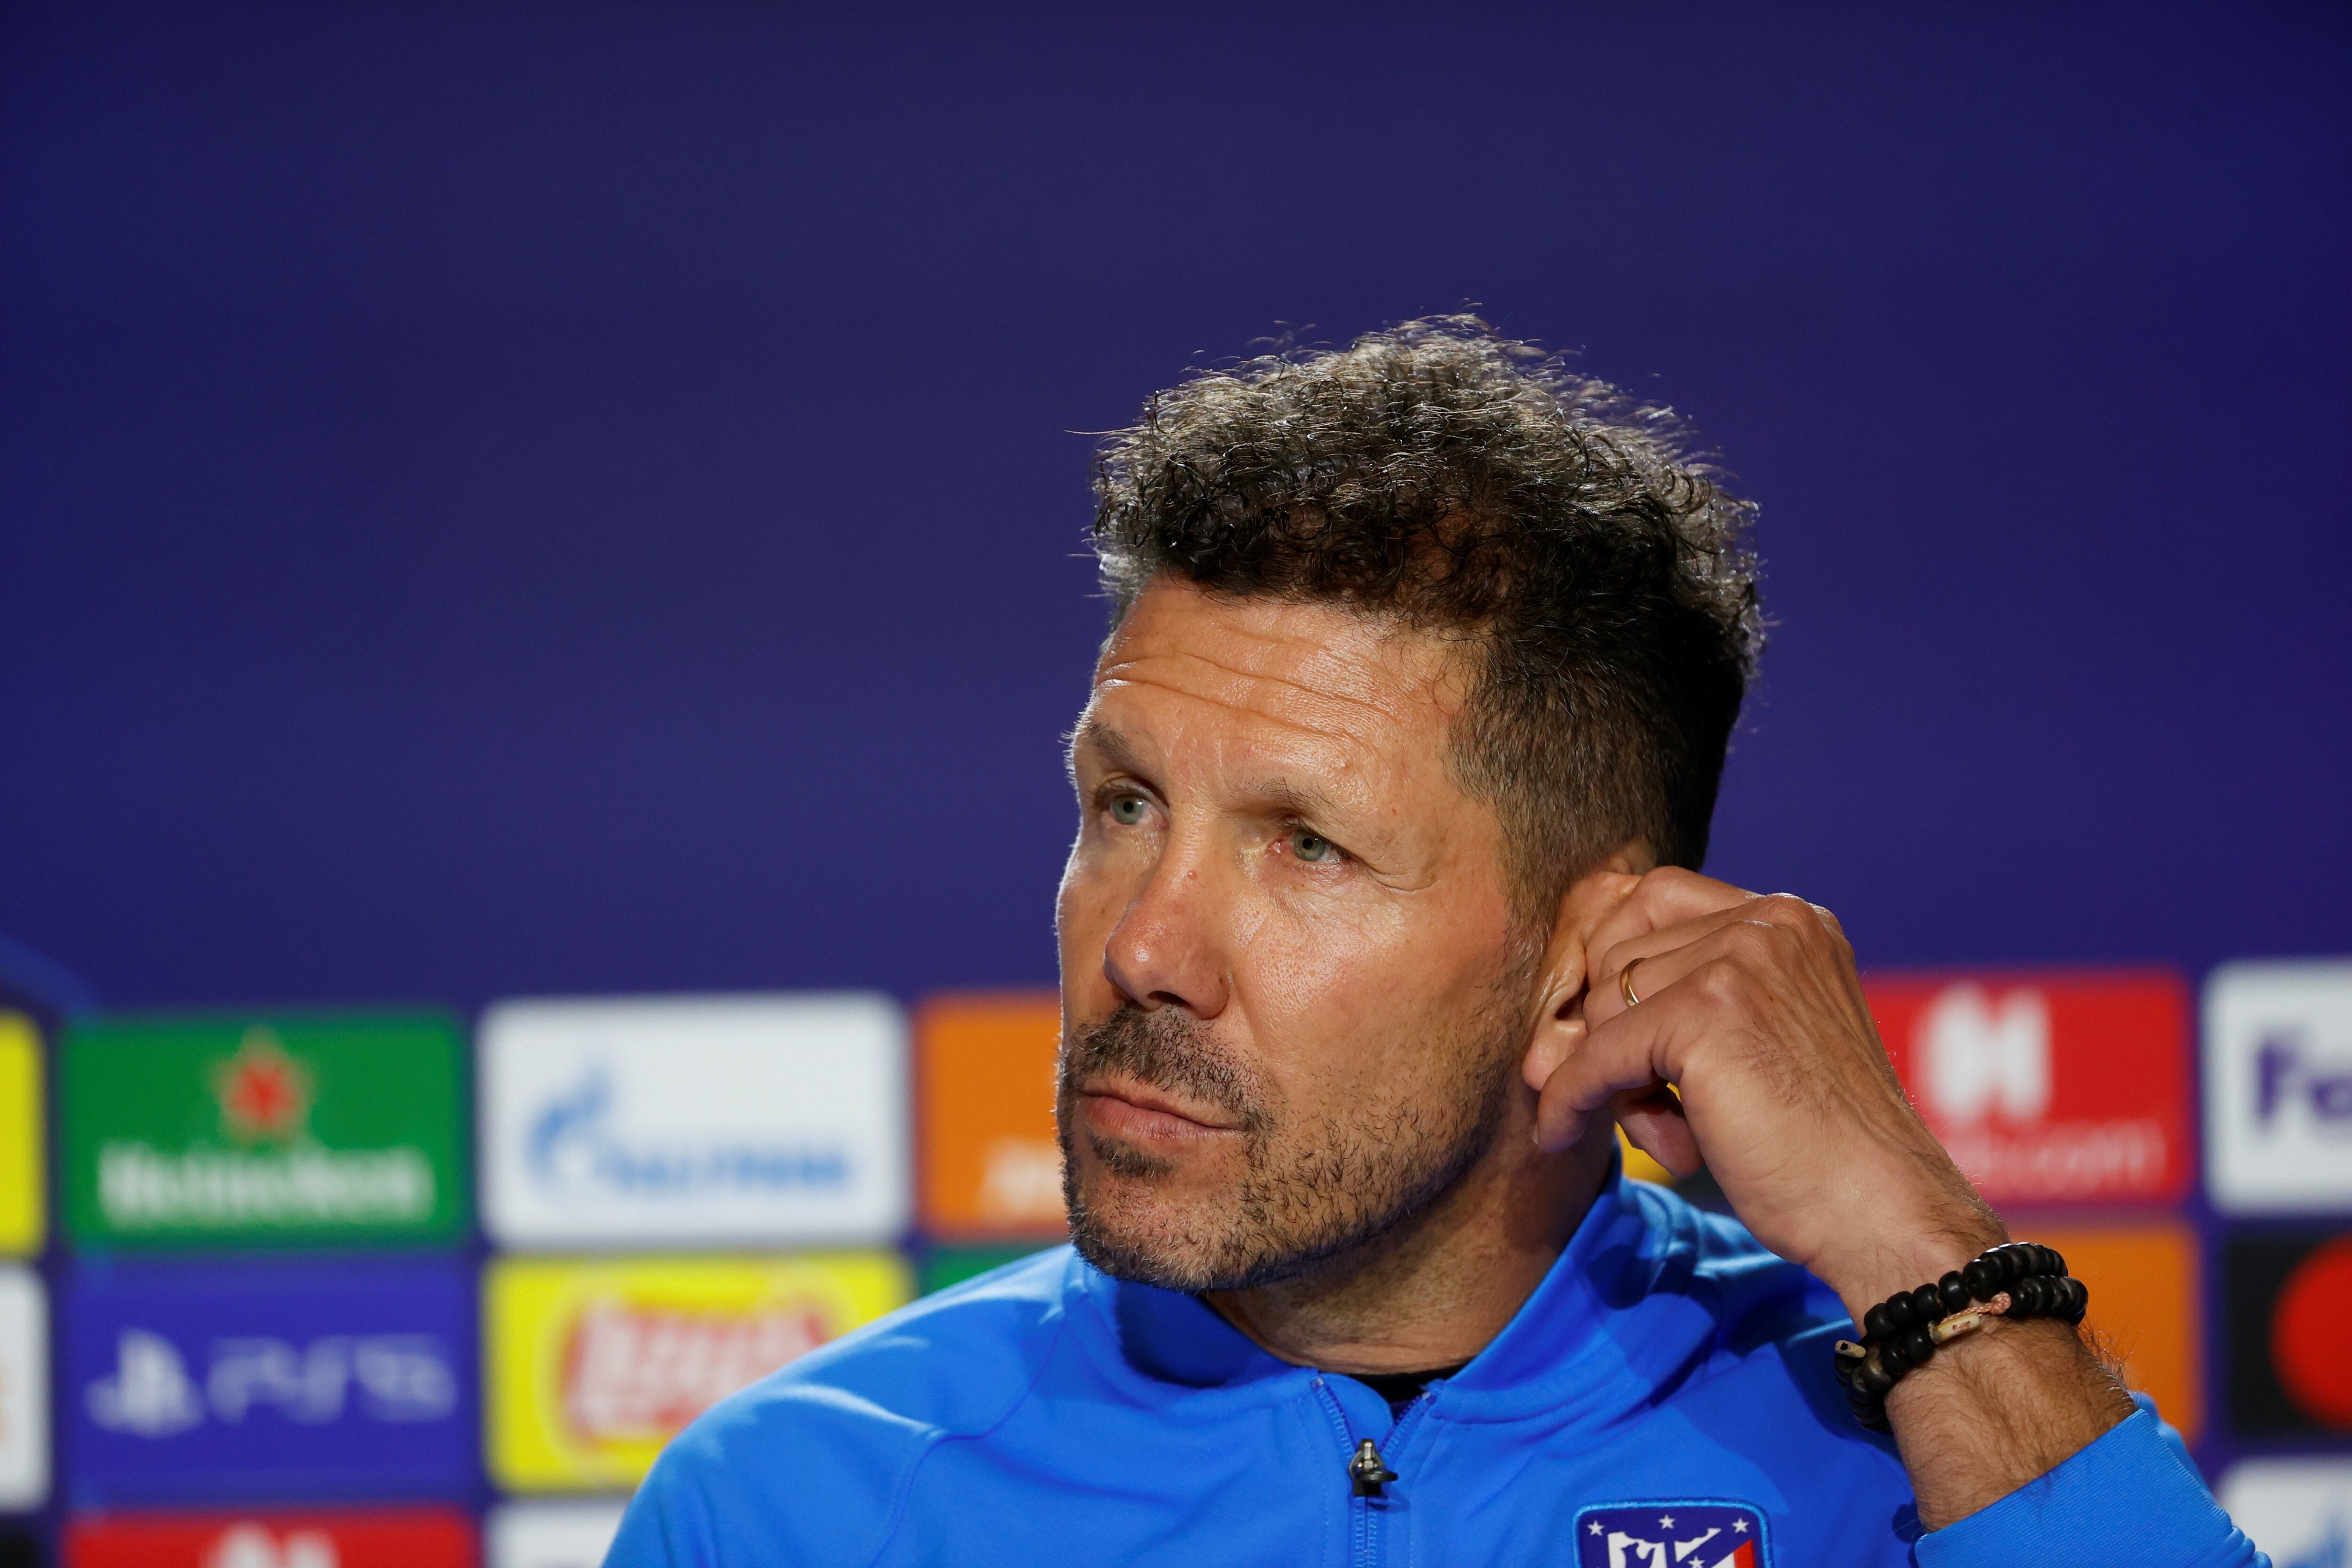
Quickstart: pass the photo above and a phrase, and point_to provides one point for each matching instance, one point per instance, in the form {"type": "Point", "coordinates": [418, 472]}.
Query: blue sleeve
{"type": "Point", "coordinates": [668, 1526]}
{"type": "Point", "coordinates": [2131, 1500]}
{"type": "Point", "coordinates": [786, 1473]}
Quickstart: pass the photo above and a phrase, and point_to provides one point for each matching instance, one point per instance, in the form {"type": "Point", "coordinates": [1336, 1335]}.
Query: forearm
{"type": "Point", "coordinates": [2021, 1442]}
{"type": "Point", "coordinates": [1995, 1409]}
{"type": "Point", "coordinates": [2005, 1401]}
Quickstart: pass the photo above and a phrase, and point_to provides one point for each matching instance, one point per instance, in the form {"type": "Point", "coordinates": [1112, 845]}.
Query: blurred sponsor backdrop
{"type": "Point", "coordinates": [542, 577]}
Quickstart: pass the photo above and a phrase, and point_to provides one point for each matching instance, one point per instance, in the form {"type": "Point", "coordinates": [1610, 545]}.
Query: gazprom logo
{"type": "Point", "coordinates": [575, 1146]}
{"type": "Point", "coordinates": [761, 1121]}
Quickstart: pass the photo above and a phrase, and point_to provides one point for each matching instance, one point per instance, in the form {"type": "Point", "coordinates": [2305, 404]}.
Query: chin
{"type": "Point", "coordinates": [1143, 1229]}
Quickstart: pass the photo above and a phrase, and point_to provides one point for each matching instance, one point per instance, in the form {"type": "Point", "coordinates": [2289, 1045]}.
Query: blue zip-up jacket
{"type": "Point", "coordinates": [1663, 1400]}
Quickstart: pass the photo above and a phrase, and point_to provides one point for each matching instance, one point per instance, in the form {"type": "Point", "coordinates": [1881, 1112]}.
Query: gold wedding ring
{"type": "Point", "coordinates": [1625, 984]}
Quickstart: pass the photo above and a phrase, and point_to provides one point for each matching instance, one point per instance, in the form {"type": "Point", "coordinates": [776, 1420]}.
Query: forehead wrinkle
{"type": "Point", "coordinates": [1239, 686]}
{"type": "Point", "coordinates": [1354, 750]}
{"type": "Point", "coordinates": [1259, 771]}
{"type": "Point", "coordinates": [1330, 704]}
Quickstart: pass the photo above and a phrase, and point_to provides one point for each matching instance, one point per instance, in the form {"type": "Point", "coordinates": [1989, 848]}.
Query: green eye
{"type": "Point", "coordinates": [1127, 810]}
{"type": "Point", "coordinates": [1312, 849]}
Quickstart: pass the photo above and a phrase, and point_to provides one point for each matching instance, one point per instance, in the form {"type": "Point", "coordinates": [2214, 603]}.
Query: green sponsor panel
{"type": "Point", "coordinates": [260, 1131]}
{"type": "Point", "coordinates": [947, 1266]}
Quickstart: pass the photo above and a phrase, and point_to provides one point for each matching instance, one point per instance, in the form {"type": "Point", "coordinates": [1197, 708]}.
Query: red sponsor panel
{"type": "Point", "coordinates": [370, 1538]}
{"type": "Point", "coordinates": [2307, 1340]}
{"type": "Point", "coordinates": [2050, 1088]}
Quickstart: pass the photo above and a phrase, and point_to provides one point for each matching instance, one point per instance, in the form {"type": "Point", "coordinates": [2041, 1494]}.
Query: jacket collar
{"type": "Point", "coordinates": [1633, 1304]}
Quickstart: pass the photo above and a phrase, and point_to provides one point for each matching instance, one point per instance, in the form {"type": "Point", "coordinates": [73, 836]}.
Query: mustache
{"type": "Point", "coordinates": [1170, 1050]}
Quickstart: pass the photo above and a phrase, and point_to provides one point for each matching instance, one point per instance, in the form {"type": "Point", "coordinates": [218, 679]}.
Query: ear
{"type": "Point", "coordinates": [1560, 1018]}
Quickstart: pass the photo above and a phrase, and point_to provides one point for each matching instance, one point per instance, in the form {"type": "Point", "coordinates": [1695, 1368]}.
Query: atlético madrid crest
{"type": "Point", "coordinates": [1671, 1535]}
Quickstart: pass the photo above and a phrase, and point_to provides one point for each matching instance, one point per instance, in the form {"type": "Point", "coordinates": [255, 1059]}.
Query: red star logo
{"type": "Point", "coordinates": [263, 1092]}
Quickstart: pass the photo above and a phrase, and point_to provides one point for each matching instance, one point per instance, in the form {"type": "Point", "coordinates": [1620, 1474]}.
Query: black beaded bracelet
{"type": "Point", "coordinates": [2016, 1279]}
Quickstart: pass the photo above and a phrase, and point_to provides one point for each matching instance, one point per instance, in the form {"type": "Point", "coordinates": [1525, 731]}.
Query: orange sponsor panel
{"type": "Point", "coordinates": [984, 1118]}
{"type": "Point", "coordinates": [2145, 1305]}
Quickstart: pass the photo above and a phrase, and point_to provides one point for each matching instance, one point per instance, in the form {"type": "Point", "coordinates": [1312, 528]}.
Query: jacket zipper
{"type": "Point", "coordinates": [1359, 1508]}
{"type": "Point", "coordinates": [1361, 1548]}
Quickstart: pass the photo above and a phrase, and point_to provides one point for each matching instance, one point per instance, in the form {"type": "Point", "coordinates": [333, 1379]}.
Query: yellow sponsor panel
{"type": "Point", "coordinates": [22, 1156]}
{"type": "Point", "coordinates": [1640, 1166]}
{"type": "Point", "coordinates": [590, 1366]}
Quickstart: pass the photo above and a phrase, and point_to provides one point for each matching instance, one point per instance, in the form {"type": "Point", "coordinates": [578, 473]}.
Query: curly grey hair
{"type": "Point", "coordinates": [1466, 483]}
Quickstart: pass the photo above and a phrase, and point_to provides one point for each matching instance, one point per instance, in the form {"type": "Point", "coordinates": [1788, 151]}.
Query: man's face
{"type": "Point", "coordinates": [1292, 999]}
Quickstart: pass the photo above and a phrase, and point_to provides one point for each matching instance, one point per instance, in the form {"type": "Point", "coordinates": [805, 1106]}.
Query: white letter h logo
{"type": "Point", "coordinates": [1980, 1053]}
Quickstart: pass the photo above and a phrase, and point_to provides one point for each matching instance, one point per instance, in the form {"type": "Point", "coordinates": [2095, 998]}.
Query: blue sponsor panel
{"type": "Point", "coordinates": [203, 1382]}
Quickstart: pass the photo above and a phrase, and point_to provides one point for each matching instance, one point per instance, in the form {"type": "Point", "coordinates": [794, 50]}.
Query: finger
{"type": "Point", "coordinates": [1632, 1048]}
{"type": "Point", "coordinates": [1666, 955]}
{"type": "Point", "coordinates": [1654, 1121]}
{"type": "Point", "coordinates": [1626, 1046]}
{"type": "Point", "coordinates": [1637, 909]}
{"type": "Point", "coordinates": [1630, 973]}
{"type": "Point", "coordinates": [1631, 1056]}
{"type": "Point", "coordinates": [1667, 896]}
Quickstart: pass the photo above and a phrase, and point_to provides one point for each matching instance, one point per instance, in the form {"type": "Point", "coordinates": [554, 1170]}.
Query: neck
{"type": "Point", "coordinates": [1431, 1291]}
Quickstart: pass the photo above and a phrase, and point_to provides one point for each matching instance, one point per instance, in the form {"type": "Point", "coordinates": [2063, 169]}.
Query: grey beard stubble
{"type": "Point", "coordinates": [1293, 1209]}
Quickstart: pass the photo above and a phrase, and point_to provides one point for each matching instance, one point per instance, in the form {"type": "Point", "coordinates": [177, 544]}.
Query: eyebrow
{"type": "Point", "coordinates": [1293, 799]}
{"type": "Point", "coordinates": [1276, 793]}
{"type": "Point", "coordinates": [1115, 747]}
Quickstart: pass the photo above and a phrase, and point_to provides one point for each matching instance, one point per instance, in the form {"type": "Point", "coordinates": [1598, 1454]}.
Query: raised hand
{"type": "Point", "coordinates": [1750, 1007]}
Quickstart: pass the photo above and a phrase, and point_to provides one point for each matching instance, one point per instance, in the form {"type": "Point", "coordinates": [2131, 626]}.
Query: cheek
{"type": "Point", "coordinates": [1085, 909]}
{"type": "Point", "coordinates": [1066, 890]}
{"type": "Point", "coordinates": [1342, 961]}
{"type": "Point", "coordinates": [1335, 1000]}
{"type": "Point", "coordinates": [1361, 1009]}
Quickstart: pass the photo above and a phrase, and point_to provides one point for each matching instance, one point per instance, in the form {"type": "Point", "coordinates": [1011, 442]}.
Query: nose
{"type": "Point", "coordinates": [1167, 950]}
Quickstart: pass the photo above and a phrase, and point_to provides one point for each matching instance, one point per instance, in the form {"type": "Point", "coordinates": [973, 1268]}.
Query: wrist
{"type": "Point", "coordinates": [1903, 1334]}
{"type": "Point", "coordinates": [1874, 1268]}
{"type": "Point", "coordinates": [1995, 1409]}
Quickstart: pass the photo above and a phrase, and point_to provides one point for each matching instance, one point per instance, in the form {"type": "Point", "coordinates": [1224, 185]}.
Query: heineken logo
{"type": "Point", "coordinates": [142, 1188]}
{"type": "Point", "coordinates": [263, 1092]}
{"type": "Point", "coordinates": [264, 1096]}
{"type": "Point", "coordinates": [180, 1131]}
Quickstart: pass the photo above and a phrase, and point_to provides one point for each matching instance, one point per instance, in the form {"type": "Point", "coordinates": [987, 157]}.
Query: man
{"type": "Point", "coordinates": [1383, 914]}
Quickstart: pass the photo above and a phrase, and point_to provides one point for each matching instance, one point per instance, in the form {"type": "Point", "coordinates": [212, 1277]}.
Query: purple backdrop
{"type": "Point", "coordinates": [569, 498]}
